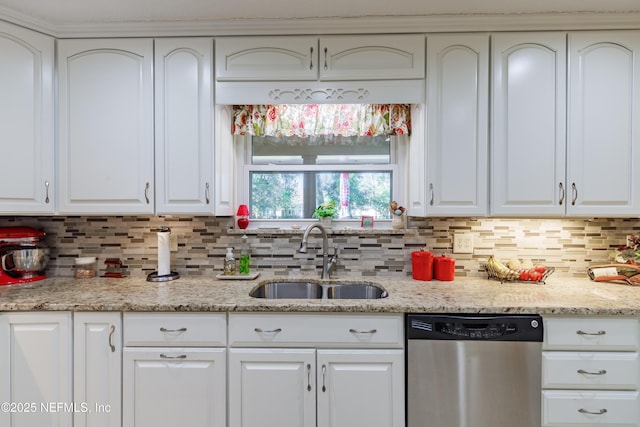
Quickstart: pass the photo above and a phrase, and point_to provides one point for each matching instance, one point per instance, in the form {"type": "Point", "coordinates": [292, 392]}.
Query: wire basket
{"type": "Point", "coordinates": [505, 274]}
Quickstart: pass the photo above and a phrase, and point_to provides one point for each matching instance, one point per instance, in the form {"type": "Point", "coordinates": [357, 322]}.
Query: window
{"type": "Point", "coordinates": [287, 177]}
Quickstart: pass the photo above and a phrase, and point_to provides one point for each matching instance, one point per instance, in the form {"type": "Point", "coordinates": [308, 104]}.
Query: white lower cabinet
{"type": "Point", "coordinates": [97, 369]}
{"type": "Point", "coordinates": [272, 387]}
{"type": "Point", "coordinates": [328, 370]}
{"type": "Point", "coordinates": [168, 387]}
{"type": "Point", "coordinates": [590, 372]}
{"type": "Point", "coordinates": [360, 387]}
{"type": "Point", "coordinates": [166, 384]}
{"type": "Point", "coordinates": [35, 370]}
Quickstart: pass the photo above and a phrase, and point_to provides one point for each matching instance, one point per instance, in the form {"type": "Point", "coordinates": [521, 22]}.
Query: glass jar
{"type": "Point", "coordinates": [86, 267]}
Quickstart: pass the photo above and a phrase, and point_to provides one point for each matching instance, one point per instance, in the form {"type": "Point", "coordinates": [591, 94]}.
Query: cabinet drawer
{"type": "Point", "coordinates": [590, 370]}
{"type": "Point", "coordinates": [582, 408]}
{"type": "Point", "coordinates": [316, 330]}
{"type": "Point", "coordinates": [174, 329]}
{"type": "Point", "coordinates": [600, 334]}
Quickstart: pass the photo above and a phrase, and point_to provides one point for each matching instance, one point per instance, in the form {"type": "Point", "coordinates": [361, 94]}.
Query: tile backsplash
{"type": "Point", "coordinates": [570, 245]}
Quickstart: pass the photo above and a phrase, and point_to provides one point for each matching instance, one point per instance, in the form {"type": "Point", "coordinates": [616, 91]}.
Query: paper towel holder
{"type": "Point", "coordinates": [155, 277]}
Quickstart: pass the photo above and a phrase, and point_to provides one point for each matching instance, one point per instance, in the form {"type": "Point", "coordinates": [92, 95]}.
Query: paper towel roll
{"type": "Point", "coordinates": [164, 253]}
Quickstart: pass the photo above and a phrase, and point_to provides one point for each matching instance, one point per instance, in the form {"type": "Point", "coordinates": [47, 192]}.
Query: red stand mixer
{"type": "Point", "coordinates": [23, 255]}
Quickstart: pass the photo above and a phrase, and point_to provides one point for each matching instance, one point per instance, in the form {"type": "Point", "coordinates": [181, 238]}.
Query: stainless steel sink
{"type": "Point", "coordinates": [356, 291]}
{"type": "Point", "coordinates": [310, 290]}
{"type": "Point", "coordinates": [277, 290]}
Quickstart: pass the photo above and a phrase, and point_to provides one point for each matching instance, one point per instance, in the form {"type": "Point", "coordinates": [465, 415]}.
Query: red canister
{"type": "Point", "coordinates": [422, 265]}
{"type": "Point", "coordinates": [444, 268]}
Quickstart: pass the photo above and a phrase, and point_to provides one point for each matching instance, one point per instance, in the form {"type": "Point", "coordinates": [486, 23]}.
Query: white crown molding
{"type": "Point", "coordinates": [336, 25]}
{"type": "Point", "coordinates": [25, 21]}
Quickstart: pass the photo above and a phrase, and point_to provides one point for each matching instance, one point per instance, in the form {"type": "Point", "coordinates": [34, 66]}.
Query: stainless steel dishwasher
{"type": "Point", "coordinates": [473, 370]}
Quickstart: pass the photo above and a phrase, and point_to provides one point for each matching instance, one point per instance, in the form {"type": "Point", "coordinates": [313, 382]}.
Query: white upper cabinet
{"type": "Point", "coordinates": [26, 121]}
{"type": "Point", "coordinates": [328, 58]}
{"type": "Point", "coordinates": [379, 69]}
{"type": "Point", "coordinates": [184, 125]}
{"type": "Point", "coordinates": [368, 57]}
{"type": "Point", "coordinates": [105, 126]}
{"type": "Point", "coordinates": [267, 58]}
{"type": "Point", "coordinates": [603, 164]}
{"type": "Point", "coordinates": [457, 121]}
{"type": "Point", "coordinates": [528, 124]}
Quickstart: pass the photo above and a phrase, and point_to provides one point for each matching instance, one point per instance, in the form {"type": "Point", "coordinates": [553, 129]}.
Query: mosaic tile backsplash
{"type": "Point", "coordinates": [570, 245]}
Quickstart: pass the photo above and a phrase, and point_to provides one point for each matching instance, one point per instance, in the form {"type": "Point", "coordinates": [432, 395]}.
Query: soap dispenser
{"type": "Point", "coordinates": [229, 263]}
{"type": "Point", "coordinates": [245, 256]}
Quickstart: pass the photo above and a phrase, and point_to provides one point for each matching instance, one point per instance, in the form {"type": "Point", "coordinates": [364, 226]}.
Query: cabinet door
{"type": "Point", "coordinates": [184, 125]}
{"type": "Point", "coordinates": [604, 123]}
{"type": "Point", "coordinates": [35, 370]}
{"type": "Point", "coordinates": [372, 57]}
{"type": "Point", "coordinates": [97, 367]}
{"type": "Point", "coordinates": [360, 387]}
{"type": "Point", "coordinates": [272, 387]}
{"type": "Point", "coordinates": [457, 121]}
{"type": "Point", "coordinates": [168, 387]}
{"type": "Point", "coordinates": [528, 131]}
{"type": "Point", "coordinates": [106, 126]}
{"type": "Point", "coordinates": [26, 121]}
{"type": "Point", "coordinates": [266, 58]}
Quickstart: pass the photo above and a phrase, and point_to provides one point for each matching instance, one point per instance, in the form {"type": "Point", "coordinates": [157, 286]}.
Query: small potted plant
{"type": "Point", "coordinates": [325, 212]}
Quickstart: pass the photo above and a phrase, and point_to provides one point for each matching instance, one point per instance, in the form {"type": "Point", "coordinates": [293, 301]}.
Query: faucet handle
{"type": "Point", "coordinates": [335, 252]}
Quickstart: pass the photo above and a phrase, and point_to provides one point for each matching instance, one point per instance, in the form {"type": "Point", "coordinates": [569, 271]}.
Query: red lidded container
{"type": "Point", "coordinates": [444, 268]}
{"type": "Point", "coordinates": [422, 265]}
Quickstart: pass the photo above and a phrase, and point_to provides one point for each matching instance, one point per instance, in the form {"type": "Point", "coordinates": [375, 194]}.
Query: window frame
{"type": "Point", "coordinates": [399, 151]}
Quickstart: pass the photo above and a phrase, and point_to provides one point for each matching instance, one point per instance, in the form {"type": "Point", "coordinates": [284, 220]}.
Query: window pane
{"type": "Point", "coordinates": [327, 150]}
{"type": "Point", "coordinates": [295, 195]}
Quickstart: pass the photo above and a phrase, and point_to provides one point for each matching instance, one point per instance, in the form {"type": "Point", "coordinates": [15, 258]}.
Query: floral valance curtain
{"type": "Point", "coordinates": [305, 120]}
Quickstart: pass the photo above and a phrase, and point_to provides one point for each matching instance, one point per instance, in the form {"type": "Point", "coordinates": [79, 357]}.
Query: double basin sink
{"type": "Point", "coordinates": [310, 290]}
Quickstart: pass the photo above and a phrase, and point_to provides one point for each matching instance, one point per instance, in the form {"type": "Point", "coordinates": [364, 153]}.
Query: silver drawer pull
{"type": "Point", "coordinates": [112, 330]}
{"type": "Point", "coordinates": [173, 330]}
{"type": "Point", "coordinates": [579, 332]}
{"type": "Point", "coordinates": [600, 372]}
{"type": "Point", "coordinates": [164, 356]}
{"type": "Point", "coordinates": [600, 412]}
{"type": "Point", "coordinates": [355, 331]}
{"type": "Point", "coordinates": [271, 331]}
{"type": "Point", "coordinates": [324, 378]}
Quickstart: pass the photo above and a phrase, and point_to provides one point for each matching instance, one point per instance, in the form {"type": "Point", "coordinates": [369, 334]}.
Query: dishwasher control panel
{"type": "Point", "coordinates": [475, 327]}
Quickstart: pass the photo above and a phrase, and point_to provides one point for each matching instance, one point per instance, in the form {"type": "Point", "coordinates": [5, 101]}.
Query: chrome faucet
{"type": "Point", "coordinates": [328, 265]}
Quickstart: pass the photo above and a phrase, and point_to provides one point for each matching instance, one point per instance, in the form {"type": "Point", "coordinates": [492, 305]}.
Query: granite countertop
{"type": "Point", "coordinates": [191, 294]}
